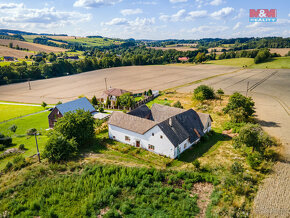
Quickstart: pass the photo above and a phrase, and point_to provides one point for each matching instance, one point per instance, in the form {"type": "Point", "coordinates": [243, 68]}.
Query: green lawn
{"type": "Point", "coordinates": [8, 112]}
{"type": "Point", "coordinates": [273, 63]}
{"type": "Point", "coordinates": [237, 62]}
{"type": "Point", "coordinates": [159, 100]}
{"type": "Point", "coordinates": [38, 121]}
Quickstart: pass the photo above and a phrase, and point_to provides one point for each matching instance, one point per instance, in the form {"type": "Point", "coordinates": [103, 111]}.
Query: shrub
{"type": "Point", "coordinates": [7, 141]}
{"type": "Point", "coordinates": [250, 135]}
{"type": "Point", "coordinates": [2, 147]}
{"type": "Point", "coordinates": [206, 92]}
{"type": "Point", "coordinates": [177, 104]}
{"type": "Point", "coordinates": [112, 213]}
{"type": "Point", "coordinates": [31, 131]}
{"type": "Point", "coordinates": [94, 100]}
{"type": "Point", "coordinates": [13, 128]}
{"type": "Point", "coordinates": [8, 166]}
{"type": "Point", "coordinates": [196, 164]}
{"type": "Point", "coordinates": [77, 125]}
{"type": "Point", "coordinates": [21, 147]}
{"type": "Point", "coordinates": [241, 104]}
{"type": "Point", "coordinates": [220, 91]}
{"type": "Point", "coordinates": [59, 148]}
{"type": "Point", "coordinates": [237, 168]}
{"type": "Point", "coordinates": [19, 162]}
{"type": "Point", "coordinates": [43, 105]}
{"type": "Point", "coordinates": [254, 160]}
{"type": "Point", "coordinates": [101, 110]}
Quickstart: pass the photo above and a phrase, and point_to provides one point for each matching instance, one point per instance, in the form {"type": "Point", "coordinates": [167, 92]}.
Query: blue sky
{"type": "Point", "coordinates": [145, 19]}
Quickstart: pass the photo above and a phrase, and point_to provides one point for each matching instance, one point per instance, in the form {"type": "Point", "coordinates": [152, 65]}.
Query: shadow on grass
{"type": "Point", "coordinates": [202, 147]}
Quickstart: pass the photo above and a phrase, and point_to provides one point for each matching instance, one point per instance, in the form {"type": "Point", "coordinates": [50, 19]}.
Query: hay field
{"type": "Point", "coordinates": [32, 46]}
{"type": "Point", "coordinates": [4, 51]}
{"type": "Point", "coordinates": [174, 47]}
{"type": "Point", "coordinates": [133, 78]}
{"type": "Point", "coordinates": [281, 51]}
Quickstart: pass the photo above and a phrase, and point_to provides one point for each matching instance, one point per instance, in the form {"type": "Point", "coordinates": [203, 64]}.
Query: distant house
{"type": "Point", "coordinates": [72, 57]}
{"type": "Point", "coordinates": [61, 109]}
{"type": "Point", "coordinates": [113, 93]}
{"type": "Point", "coordinates": [184, 59]}
{"type": "Point", "coordinates": [9, 58]}
{"type": "Point", "coordinates": [163, 130]}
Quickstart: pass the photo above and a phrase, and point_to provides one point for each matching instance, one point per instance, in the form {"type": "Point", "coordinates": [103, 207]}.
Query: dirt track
{"type": "Point", "coordinates": [135, 79]}
{"type": "Point", "coordinates": [270, 90]}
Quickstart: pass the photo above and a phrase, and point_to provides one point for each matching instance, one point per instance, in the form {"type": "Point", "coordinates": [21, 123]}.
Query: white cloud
{"type": "Point", "coordinates": [181, 15]}
{"type": "Point", "coordinates": [10, 6]}
{"type": "Point", "coordinates": [197, 14]}
{"type": "Point", "coordinates": [18, 16]}
{"type": "Point", "coordinates": [237, 25]}
{"type": "Point", "coordinates": [216, 2]}
{"type": "Point", "coordinates": [224, 12]}
{"type": "Point", "coordinates": [94, 3]}
{"type": "Point", "coordinates": [146, 2]}
{"type": "Point", "coordinates": [177, 1]}
{"type": "Point", "coordinates": [127, 12]}
{"type": "Point", "coordinates": [137, 22]}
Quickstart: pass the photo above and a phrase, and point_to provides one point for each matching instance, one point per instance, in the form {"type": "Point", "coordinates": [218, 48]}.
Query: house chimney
{"type": "Point", "coordinates": [170, 121]}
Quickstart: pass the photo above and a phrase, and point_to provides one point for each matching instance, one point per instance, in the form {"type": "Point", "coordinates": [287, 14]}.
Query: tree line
{"type": "Point", "coordinates": [95, 59]}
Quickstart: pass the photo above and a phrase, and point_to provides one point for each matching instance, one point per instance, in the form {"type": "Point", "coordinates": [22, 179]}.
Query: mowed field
{"type": "Point", "coordinates": [133, 78]}
{"type": "Point", "coordinates": [4, 51]}
{"type": "Point", "coordinates": [31, 46]}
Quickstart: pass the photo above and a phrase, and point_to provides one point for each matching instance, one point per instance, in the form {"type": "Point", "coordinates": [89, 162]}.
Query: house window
{"type": "Point", "coordinates": [161, 136]}
{"type": "Point", "coordinates": [114, 137]}
{"type": "Point", "coordinates": [152, 134]}
{"type": "Point", "coordinates": [151, 147]}
{"type": "Point", "coordinates": [127, 138]}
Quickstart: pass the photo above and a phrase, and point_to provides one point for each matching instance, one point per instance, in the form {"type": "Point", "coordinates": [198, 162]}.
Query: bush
{"type": "Point", "coordinates": [21, 147]}
{"type": "Point", "coordinates": [204, 92]}
{"type": "Point", "coordinates": [196, 164]}
{"type": "Point", "coordinates": [13, 128]}
{"type": "Point", "coordinates": [59, 148]}
{"type": "Point", "coordinates": [254, 159]}
{"type": "Point", "coordinates": [94, 100]}
{"type": "Point", "coordinates": [31, 131]}
{"type": "Point", "coordinates": [8, 166]}
{"type": "Point", "coordinates": [2, 147]}
{"type": "Point", "coordinates": [101, 110]}
{"type": "Point", "coordinates": [7, 141]}
{"type": "Point", "coordinates": [237, 168]}
{"type": "Point", "coordinates": [112, 213]}
{"type": "Point", "coordinates": [220, 91]}
{"type": "Point", "coordinates": [177, 104]}
{"type": "Point", "coordinates": [240, 105]}
{"type": "Point", "coordinates": [250, 135]}
{"type": "Point", "coordinates": [77, 125]}
{"type": "Point", "coordinates": [19, 162]}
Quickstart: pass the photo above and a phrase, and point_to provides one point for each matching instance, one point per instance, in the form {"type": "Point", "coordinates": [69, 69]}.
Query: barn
{"type": "Point", "coordinates": [61, 109]}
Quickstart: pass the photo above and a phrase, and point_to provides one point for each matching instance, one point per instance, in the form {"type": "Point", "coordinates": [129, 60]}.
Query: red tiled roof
{"type": "Point", "coordinates": [183, 59]}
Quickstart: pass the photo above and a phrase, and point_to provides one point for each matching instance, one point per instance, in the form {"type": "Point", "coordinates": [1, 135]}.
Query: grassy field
{"type": "Point", "coordinates": [238, 62]}
{"type": "Point", "coordinates": [38, 121]}
{"type": "Point", "coordinates": [12, 111]}
{"type": "Point", "coordinates": [273, 63]}
{"type": "Point", "coordinates": [111, 177]}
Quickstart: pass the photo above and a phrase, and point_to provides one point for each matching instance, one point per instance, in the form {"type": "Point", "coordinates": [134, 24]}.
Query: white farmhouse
{"type": "Point", "coordinates": [163, 130]}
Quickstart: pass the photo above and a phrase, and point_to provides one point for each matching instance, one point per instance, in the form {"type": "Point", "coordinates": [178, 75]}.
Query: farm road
{"type": "Point", "coordinates": [270, 89]}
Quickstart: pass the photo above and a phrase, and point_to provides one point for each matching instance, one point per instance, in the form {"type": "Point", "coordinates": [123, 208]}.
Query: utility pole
{"type": "Point", "coordinates": [29, 84]}
{"type": "Point", "coordinates": [247, 88]}
{"type": "Point", "coordinates": [37, 147]}
{"type": "Point", "coordinates": [106, 83]}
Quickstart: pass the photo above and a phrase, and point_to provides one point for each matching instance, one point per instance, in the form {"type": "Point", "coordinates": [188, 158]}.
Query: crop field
{"type": "Point", "coordinates": [31, 46]}
{"type": "Point", "coordinates": [281, 51]}
{"type": "Point", "coordinates": [133, 78]}
{"type": "Point", "coordinates": [4, 51]}
{"type": "Point", "coordinates": [10, 111]}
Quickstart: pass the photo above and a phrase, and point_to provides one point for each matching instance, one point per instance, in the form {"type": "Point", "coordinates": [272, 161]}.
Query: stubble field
{"type": "Point", "coordinates": [5, 51]}
{"type": "Point", "coordinates": [134, 79]}
{"type": "Point", "coordinates": [31, 46]}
